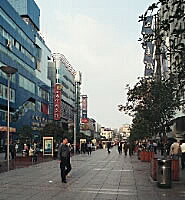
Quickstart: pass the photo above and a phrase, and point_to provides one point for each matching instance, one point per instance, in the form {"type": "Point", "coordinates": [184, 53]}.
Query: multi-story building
{"type": "Point", "coordinates": [88, 128]}
{"type": "Point", "coordinates": [61, 73]}
{"type": "Point", "coordinates": [164, 42]}
{"type": "Point", "coordinates": [172, 14]}
{"type": "Point", "coordinates": [107, 133]}
{"type": "Point", "coordinates": [22, 47]}
{"type": "Point", "coordinates": [124, 131]}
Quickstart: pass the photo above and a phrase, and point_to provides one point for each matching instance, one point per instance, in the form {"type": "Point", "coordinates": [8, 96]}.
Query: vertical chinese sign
{"type": "Point", "coordinates": [57, 101]}
{"type": "Point", "coordinates": [84, 109]}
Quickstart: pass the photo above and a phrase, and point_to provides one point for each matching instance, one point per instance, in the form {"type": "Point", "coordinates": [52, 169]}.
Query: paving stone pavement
{"type": "Point", "coordinates": [96, 177]}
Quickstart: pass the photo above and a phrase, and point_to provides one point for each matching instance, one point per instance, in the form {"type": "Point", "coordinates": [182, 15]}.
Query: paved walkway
{"type": "Point", "coordinates": [96, 177]}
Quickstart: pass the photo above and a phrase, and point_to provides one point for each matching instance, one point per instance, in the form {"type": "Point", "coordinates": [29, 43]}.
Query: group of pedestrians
{"type": "Point", "coordinates": [126, 147]}
{"type": "Point", "coordinates": [170, 149]}
{"type": "Point", "coordinates": [177, 151]}
{"type": "Point", "coordinates": [86, 147]}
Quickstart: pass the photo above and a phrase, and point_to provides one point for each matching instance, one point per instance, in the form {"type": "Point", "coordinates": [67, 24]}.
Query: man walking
{"type": "Point", "coordinates": [64, 156]}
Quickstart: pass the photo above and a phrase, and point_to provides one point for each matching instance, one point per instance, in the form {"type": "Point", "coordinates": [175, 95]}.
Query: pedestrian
{"type": "Point", "coordinates": [89, 148]}
{"type": "Point", "coordinates": [119, 147]}
{"type": "Point", "coordinates": [125, 148]}
{"type": "Point", "coordinates": [183, 154]}
{"type": "Point", "coordinates": [16, 147]}
{"type": "Point", "coordinates": [12, 150]}
{"type": "Point", "coordinates": [5, 147]}
{"type": "Point", "coordinates": [131, 148]}
{"type": "Point", "coordinates": [108, 147]}
{"type": "Point", "coordinates": [83, 147]}
{"type": "Point", "coordinates": [175, 150]}
{"type": "Point", "coordinates": [64, 157]}
{"type": "Point", "coordinates": [155, 146]}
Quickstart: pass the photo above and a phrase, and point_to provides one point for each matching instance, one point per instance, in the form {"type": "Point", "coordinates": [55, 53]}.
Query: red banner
{"type": "Point", "coordinates": [84, 102]}
{"type": "Point", "coordinates": [57, 101]}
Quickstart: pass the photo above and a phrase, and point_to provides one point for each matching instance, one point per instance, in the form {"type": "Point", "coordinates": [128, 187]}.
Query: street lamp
{"type": "Point", "coordinates": [8, 71]}
{"type": "Point", "coordinates": [78, 80]}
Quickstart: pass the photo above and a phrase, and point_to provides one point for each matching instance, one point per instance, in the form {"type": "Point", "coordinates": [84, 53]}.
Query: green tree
{"type": "Point", "coordinates": [152, 104]}
{"type": "Point", "coordinates": [25, 134]}
{"type": "Point", "coordinates": [52, 130]}
{"type": "Point", "coordinates": [56, 131]}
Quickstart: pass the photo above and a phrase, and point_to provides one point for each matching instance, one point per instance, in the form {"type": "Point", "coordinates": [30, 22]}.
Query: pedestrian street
{"type": "Point", "coordinates": [100, 176]}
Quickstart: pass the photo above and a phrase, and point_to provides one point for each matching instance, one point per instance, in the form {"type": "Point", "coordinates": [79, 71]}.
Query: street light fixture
{"type": "Point", "coordinates": [8, 71]}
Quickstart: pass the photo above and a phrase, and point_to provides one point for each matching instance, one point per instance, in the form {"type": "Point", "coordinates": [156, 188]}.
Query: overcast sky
{"type": "Point", "coordinates": [99, 38]}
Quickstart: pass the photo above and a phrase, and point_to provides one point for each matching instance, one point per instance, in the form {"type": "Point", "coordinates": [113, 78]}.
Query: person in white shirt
{"type": "Point", "coordinates": [183, 154]}
{"type": "Point", "coordinates": [175, 150]}
{"type": "Point", "coordinates": [89, 148]}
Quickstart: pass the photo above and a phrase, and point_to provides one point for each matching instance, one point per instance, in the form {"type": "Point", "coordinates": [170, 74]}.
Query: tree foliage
{"type": "Point", "coordinates": [25, 134]}
{"type": "Point", "coordinates": [55, 131]}
{"type": "Point", "coordinates": [152, 105]}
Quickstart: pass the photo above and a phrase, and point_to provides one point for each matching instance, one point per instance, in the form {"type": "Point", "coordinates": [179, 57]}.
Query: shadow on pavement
{"type": "Point", "coordinates": [21, 162]}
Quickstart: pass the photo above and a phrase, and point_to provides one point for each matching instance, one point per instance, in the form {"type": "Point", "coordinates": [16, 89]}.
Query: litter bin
{"type": "Point", "coordinates": [164, 173]}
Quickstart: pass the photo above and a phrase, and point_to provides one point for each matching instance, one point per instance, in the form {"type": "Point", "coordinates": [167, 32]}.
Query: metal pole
{"type": "Point", "coordinates": [8, 124]}
{"type": "Point", "coordinates": [75, 132]}
{"type": "Point", "coordinates": [75, 118]}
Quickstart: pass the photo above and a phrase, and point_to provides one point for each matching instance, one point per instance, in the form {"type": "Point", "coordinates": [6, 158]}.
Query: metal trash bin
{"type": "Point", "coordinates": [164, 173]}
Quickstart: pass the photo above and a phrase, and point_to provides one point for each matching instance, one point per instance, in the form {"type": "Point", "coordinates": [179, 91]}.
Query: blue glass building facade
{"type": "Point", "coordinates": [23, 48]}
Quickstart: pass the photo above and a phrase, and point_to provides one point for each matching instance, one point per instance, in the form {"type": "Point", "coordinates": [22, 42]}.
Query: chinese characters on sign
{"type": "Point", "coordinates": [57, 102]}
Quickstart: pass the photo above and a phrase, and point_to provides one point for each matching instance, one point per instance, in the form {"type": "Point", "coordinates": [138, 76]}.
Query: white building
{"type": "Point", "coordinates": [107, 133]}
{"type": "Point", "coordinates": [124, 130]}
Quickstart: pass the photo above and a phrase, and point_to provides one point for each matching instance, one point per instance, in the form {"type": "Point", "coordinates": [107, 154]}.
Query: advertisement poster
{"type": "Point", "coordinates": [48, 146]}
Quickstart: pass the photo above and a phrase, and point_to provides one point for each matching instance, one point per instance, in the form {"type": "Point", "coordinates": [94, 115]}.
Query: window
{"type": "Point", "coordinates": [2, 115]}
{"type": "Point", "coordinates": [7, 36]}
{"type": "Point", "coordinates": [15, 27]}
{"type": "Point", "coordinates": [1, 90]}
{"type": "Point", "coordinates": [4, 93]}
{"type": "Point", "coordinates": [12, 95]}
{"type": "Point", "coordinates": [26, 84]}
{"type": "Point", "coordinates": [44, 108]}
{"type": "Point", "coordinates": [39, 106]}
{"type": "Point", "coordinates": [43, 94]}
{"type": "Point", "coordinates": [10, 55]}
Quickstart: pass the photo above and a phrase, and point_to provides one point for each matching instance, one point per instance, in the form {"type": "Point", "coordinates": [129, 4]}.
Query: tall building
{"type": "Point", "coordinates": [22, 47]}
{"type": "Point", "coordinates": [163, 54]}
{"type": "Point", "coordinates": [61, 73]}
{"type": "Point", "coordinates": [174, 40]}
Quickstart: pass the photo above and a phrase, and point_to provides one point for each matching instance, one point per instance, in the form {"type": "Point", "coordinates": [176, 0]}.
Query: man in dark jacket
{"type": "Point", "coordinates": [64, 157]}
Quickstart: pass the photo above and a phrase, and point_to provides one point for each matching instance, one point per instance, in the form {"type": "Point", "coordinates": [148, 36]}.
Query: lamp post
{"type": "Point", "coordinates": [75, 117]}
{"type": "Point", "coordinates": [78, 80]}
{"type": "Point", "coordinates": [8, 71]}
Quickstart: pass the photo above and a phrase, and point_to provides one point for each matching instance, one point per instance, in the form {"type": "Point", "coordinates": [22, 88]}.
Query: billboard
{"type": "Point", "coordinates": [57, 101]}
{"type": "Point", "coordinates": [84, 109]}
{"type": "Point", "coordinates": [48, 146]}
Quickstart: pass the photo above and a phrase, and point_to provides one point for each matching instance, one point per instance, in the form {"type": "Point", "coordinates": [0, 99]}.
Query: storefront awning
{"type": "Point", "coordinates": [5, 129]}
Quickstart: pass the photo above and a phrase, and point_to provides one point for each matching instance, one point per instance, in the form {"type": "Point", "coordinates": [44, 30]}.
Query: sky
{"type": "Point", "coordinates": [99, 39]}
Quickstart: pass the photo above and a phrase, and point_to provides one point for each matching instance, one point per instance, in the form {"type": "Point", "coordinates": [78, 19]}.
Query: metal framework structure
{"type": "Point", "coordinates": [64, 61]}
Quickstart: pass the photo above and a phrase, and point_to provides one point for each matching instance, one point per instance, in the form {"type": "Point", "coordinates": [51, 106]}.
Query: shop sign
{"type": "Point", "coordinates": [57, 101]}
